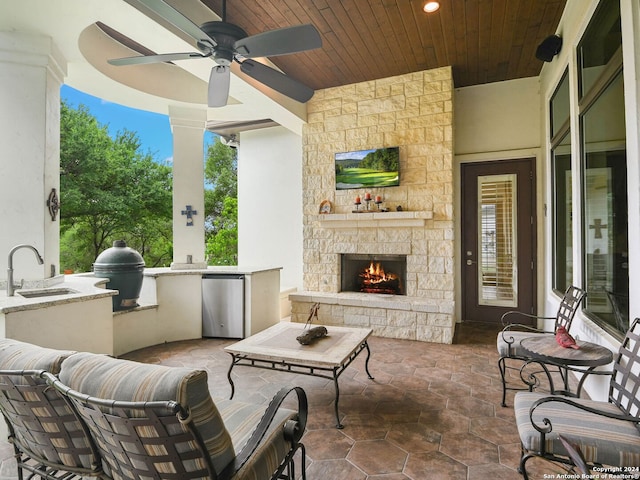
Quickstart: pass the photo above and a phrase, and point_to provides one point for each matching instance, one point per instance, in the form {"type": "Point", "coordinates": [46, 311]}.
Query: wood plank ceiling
{"type": "Point", "coordinates": [483, 40]}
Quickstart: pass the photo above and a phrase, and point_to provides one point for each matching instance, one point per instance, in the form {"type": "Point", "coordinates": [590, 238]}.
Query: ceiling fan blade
{"type": "Point", "coordinates": [165, 57]}
{"type": "Point", "coordinates": [219, 80]}
{"type": "Point", "coordinates": [174, 17]}
{"type": "Point", "coordinates": [276, 80]}
{"type": "Point", "coordinates": [282, 41]}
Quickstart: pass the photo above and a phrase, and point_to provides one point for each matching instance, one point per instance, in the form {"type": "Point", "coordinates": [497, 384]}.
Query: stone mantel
{"type": "Point", "coordinates": [374, 219]}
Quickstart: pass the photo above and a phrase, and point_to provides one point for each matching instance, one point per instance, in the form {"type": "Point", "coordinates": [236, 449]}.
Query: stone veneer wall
{"type": "Point", "coordinates": [415, 112]}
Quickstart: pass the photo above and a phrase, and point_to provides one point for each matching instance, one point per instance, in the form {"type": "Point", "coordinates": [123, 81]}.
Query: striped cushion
{"type": "Point", "coordinates": [15, 355]}
{"type": "Point", "coordinates": [106, 377]}
{"type": "Point", "coordinates": [514, 337]}
{"type": "Point", "coordinates": [241, 419]}
{"type": "Point", "coordinates": [601, 439]}
{"type": "Point", "coordinates": [71, 447]}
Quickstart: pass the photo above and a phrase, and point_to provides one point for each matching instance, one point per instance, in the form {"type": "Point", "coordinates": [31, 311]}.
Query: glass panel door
{"type": "Point", "coordinates": [497, 230]}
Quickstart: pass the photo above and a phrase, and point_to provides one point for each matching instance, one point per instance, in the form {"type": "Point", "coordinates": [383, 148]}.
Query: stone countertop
{"type": "Point", "coordinates": [83, 287]}
{"type": "Point", "coordinates": [64, 289]}
{"type": "Point", "coordinates": [220, 270]}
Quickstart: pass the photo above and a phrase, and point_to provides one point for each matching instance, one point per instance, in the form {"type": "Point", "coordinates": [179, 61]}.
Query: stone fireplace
{"type": "Point", "coordinates": [381, 274]}
{"type": "Point", "coordinates": [414, 112]}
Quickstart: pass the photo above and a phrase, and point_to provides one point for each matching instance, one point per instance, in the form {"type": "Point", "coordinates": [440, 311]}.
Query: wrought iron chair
{"type": "Point", "coordinates": [153, 421]}
{"type": "Point", "coordinates": [509, 338]}
{"type": "Point", "coordinates": [49, 440]}
{"type": "Point", "coordinates": [607, 434]}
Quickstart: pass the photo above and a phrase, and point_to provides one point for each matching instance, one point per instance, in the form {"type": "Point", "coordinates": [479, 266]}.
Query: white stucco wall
{"type": "Point", "coordinates": [270, 202]}
{"type": "Point", "coordinates": [497, 117]}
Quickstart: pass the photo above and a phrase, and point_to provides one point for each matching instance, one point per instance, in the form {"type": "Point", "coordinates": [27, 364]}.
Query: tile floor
{"type": "Point", "coordinates": [432, 412]}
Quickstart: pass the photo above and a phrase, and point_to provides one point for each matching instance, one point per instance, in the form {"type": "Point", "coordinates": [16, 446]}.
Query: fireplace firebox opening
{"type": "Point", "coordinates": [385, 274]}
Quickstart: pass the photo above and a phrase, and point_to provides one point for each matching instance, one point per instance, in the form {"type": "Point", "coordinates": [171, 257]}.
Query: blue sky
{"type": "Point", "coordinates": [153, 129]}
{"type": "Point", "coordinates": [350, 155]}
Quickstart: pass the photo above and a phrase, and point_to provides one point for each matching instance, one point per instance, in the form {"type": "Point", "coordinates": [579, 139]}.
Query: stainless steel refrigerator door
{"type": "Point", "coordinates": [223, 306]}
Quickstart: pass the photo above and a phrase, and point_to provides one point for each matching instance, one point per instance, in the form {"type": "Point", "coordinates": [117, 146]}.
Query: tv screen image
{"type": "Point", "coordinates": [373, 168]}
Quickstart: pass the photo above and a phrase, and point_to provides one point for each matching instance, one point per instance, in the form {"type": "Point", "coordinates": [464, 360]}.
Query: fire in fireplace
{"type": "Point", "coordinates": [384, 274]}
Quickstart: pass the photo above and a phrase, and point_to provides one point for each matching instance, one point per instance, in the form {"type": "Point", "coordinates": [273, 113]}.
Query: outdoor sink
{"type": "Point", "coordinates": [45, 292]}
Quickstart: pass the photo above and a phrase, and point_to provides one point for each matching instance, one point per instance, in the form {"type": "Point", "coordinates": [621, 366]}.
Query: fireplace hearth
{"type": "Point", "coordinates": [381, 274]}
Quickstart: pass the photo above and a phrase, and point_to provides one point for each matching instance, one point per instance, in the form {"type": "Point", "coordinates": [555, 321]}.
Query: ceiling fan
{"type": "Point", "coordinates": [225, 43]}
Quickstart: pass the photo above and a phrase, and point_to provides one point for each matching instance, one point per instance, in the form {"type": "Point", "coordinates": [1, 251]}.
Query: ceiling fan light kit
{"type": "Point", "coordinates": [218, 88]}
{"type": "Point", "coordinates": [225, 43]}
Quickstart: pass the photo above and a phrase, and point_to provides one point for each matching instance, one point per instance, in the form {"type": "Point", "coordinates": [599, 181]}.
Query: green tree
{"type": "Point", "coordinates": [109, 190]}
{"type": "Point", "coordinates": [384, 159]}
{"type": "Point", "coordinates": [221, 204]}
{"type": "Point", "coordinates": [222, 244]}
{"type": "Point", "coordinates": [221, 178]}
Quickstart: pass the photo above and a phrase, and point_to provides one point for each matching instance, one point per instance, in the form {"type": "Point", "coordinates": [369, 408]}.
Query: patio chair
{"type": "Point", "coordinates": [49, 440]}
{"type": "Point", "coordinates": [160, 422]}
{"type": "Point", "coordinates": [606, 433]}
{"type": "Point", "coordinates": [509, 338]}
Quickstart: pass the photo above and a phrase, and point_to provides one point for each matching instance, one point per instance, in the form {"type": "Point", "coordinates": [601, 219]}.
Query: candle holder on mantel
{"type": "Point", "coordinates": [378, 201]}
{"type": "Point", "coordinates": [357, 203]}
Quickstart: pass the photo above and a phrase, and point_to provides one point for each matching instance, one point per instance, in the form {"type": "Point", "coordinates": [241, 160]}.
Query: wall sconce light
{"type": "Point", "coordinates": [230, 141]}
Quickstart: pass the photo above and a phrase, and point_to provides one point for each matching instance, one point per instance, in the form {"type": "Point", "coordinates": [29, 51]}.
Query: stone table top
{"type": "Point", "coordinates": [278, 343]}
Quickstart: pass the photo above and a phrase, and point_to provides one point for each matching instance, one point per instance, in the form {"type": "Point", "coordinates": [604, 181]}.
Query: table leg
{"type": "Point", "coordinates": [586, 373]}
{"type": "Point", "coordinates": [335, 403]}
{"type": "Point", "coordinates": [564, 372]}
{"type": "Point", "coordinates": [530, 379]}
{"type": "Point", "coordinates": [336, 374]}
{"type": "Point", "coordinates": [366, 362]}
{"type": "Point", "coordinates": [233, 362]}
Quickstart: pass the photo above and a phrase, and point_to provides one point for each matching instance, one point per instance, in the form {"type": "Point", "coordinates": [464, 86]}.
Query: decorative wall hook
{"type": "Point", "coordinates": [53, 203]}
{"type": "Point", "coordinates": [189, 212]}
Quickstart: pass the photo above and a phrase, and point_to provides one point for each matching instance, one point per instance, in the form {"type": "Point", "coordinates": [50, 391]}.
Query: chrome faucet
{"type": "Point", "coordinates": [11, 288]}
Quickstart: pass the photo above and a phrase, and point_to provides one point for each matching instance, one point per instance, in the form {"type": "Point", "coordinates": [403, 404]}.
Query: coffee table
{"type": "Point", "coordinates": [545, 350]}
{"type": "Point", "coordinates": [276, 348]}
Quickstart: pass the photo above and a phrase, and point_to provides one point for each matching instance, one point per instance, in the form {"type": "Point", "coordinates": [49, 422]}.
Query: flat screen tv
{"type": "Point", "coordinates": [379, 167]}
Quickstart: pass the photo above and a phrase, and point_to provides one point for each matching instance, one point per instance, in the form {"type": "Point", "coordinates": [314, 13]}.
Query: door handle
{"type": "Point", "coordinates": [470, 262]}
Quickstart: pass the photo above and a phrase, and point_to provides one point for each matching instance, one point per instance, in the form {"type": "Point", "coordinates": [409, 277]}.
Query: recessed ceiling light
{"type": "Point", "coordinates": [431, 7]}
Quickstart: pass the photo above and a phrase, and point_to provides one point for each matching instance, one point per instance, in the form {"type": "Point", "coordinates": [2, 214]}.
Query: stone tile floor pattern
{"type": "Point", "coordinates": [432, 412]}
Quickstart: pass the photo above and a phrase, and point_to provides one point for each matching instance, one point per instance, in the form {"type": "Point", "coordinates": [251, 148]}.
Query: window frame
{"type": "Point", "coordinates": [609, 74]}
{"type": "Point", "coordinates": [563, 131]}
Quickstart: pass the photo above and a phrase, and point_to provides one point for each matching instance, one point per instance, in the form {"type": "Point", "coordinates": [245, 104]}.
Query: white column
{"type": "Point", "coordinates": [188, 127]}
{"type": "Point", "coordinates": [31, 73]}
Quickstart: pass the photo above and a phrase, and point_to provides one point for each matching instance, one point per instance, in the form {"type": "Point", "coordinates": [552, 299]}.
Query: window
{"type": "Point", "coordinates": [563, 213]}
{"type": "Point", "coordinates": [604, 170]}
{"type": "Point", "coordinates": [497, 237]}
{"type": "Point", "coordinates": [599, 45]}
{"type": "Point", "coordinates": [561, 170]}
{"type": "Point", "coordinates": [560, 108]}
